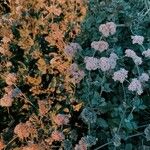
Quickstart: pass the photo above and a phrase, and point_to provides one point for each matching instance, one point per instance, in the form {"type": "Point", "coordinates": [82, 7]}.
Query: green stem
{"type": "Point", "coordinates": [103, 145]}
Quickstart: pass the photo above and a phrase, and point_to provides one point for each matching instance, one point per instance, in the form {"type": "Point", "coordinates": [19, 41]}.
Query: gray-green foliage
{"type": "Point", "coordinates": [116, 107]}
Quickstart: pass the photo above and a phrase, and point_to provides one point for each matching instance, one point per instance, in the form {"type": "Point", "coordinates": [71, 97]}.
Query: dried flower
{"type": "Point", "coordinates": [137, 39]}
{"type": "Point", "coordinates": [32, 147]}
{"type": "Point", "coordinates": [2, 145]}
{"type": "Point", "coordinates": [61, 119]}
{"type": "Point", "coordinates": [120, 75]}
{"type": "Point", "coordinates": [24, 130]}
{"type": "Point", "coordinates": [6, 101]}
{"type": "Point", "coordinates": [104, 64]}
{"type": "Point", "coordinates": [91, 63]}
{"type": "Point", "coordinates": [144, 77]}
{"type": "Point", "coordinates": [80, 147]}
{"type": "Point", "coordinates": [100, 45]}
{"type": "Point", "coordinates": [11, 78]}
{"type": "Point", "coordinates": [57, 136]}
{"type": "Point", "coordinates": [43, 109]}
{"type": "Point", "coordinates": [136, 86]}
{"type": "Point", "coordinates": [146, 53]}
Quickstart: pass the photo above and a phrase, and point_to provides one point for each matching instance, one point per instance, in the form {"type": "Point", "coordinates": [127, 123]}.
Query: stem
{"type": "Point", "coordinates": [10, 142]}
{"type": "Point", "coordinates": [134, 135]}
{"type": "Point", "coordinates": [102, 84]}
{"type": "Point", "coordinates": [138, 70]}
{"type": "Point", "coordinates": [103, 146]}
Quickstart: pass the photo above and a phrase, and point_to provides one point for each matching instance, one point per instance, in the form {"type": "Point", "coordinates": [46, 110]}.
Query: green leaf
{"type": "Point", "coordinates": [102, 123]}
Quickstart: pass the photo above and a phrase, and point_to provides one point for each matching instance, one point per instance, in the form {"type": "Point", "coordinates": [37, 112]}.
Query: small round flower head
{"type": "Point", "coordinates": [91, 63]}
{"type": "Point", "coordinates": [130, 53]}
{"type": "Point", "coordinates": [103, 28]}
{"type": "Point", "coordinates": [137, 60]}
{"type": "Point", "coordinates": [71, 49]}
{"type": "Point", "coordinates": [135, 86]}
{"type": "Point", "coordinates": [6, 101]}
{"type": "Point", "coordinates": [146, 53]}
{"type": "Point", "coordinates": [120, 75]}
{"type": "Point", "coordinates": [137, 39]}
{"type": "Point", "coordinates": [144, 77]}
{"type": "Point", "coordinates": [88, 116]}
{"type": "Point", "coordinates": [11, 78]}
{"type": "Point", "coordinates": [21, 130]}
{"type": "Point", "coordinates": [61, 119]}
{"type": "Point", "coordinates": [112, 27]}
{"type": "Point", "coordinates": [108, 29]}
{"type": "Point", "coordinates": [100, 45]}
{"type": "Point", "coordinates": [104, 64]}
{"type": "Point", "coordinates": [57, 136]}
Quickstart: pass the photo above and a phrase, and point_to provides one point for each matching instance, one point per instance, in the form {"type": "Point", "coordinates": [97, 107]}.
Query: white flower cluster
{"type": "Point", "coordinates": [137, 39]}
{"type": "Point", "coordinates": [146, 53]}
{"type": "Point", "coordinates": [100, 45]}
{"type": "Point", "coordinates": [108, 29]}
{"type": "Point", "coordinates": [120, 75]}
{"type": "Point", "coordinates": [130, 53]}
{"type": "Point", "coordinates": [135, 86]}
{"type": "Point", "coordinates": [144, 77]}
{"type": "Point", "coordinates": [103, 63]}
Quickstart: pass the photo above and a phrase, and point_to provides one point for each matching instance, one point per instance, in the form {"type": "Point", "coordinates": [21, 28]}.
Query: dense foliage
{"type": "Point", "coordinates": [74, 74]}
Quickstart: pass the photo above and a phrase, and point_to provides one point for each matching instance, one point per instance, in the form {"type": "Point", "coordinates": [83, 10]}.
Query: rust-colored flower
{"type": "Point", "coordinates": [11, 78]}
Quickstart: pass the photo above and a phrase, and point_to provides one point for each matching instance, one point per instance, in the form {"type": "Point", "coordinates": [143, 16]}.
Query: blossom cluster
{"type": "Point", "coordinates": [108, 29]}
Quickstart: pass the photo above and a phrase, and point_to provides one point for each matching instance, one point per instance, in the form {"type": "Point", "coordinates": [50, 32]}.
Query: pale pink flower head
{"type": "Point", "coordinates": [108, 29]}
{"type": "Point", "coordinates": [21, 130]}
{"type": "Point", "coordinates": [144, 77]}
{"type": "Point", "coordinates": [103, 28]}
{"type": "Point", "coordinates": [112, 27]}
{"type": "Point", "coordinates": [137, 39]}
{"type": "Point", "coordinates": [135, 86]}
{"type": "Point", "coordinates": [130, 53]}
{"type": "Point", "coordinates": [120, 75]}
{"type": "Point", "coordinates": [61, 119]}
{"type": "Point", "coordinates": [11, 78]}
{"type": "Point", "coordinates": [91, 63]}
{"type": "Point", "coordinates": [57, 136]}
{"type": "Point", "coordinates": [100, 45]}
{"type": "Point", "coordinates": [6, 101]}
{"type": "Point", "coordinates": [146, 53]}
{"type": "Point", "coordinates": [104, 64]}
